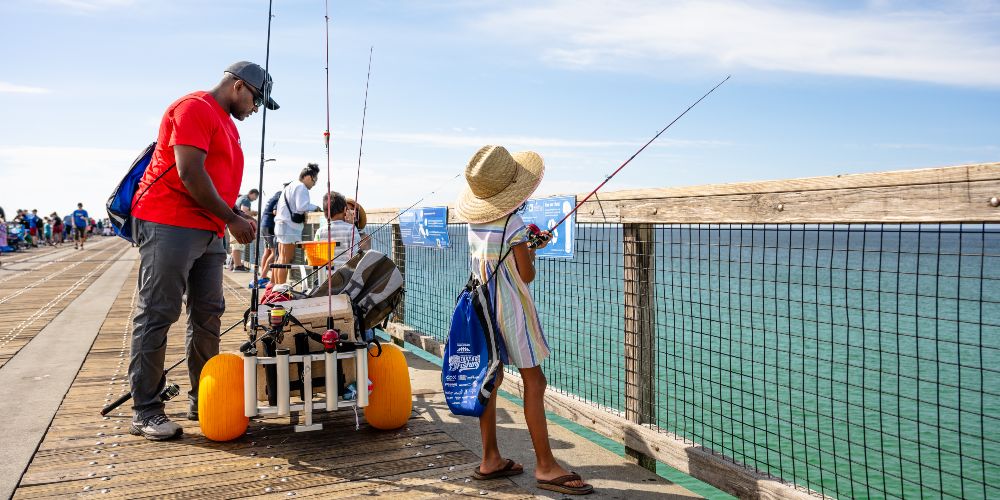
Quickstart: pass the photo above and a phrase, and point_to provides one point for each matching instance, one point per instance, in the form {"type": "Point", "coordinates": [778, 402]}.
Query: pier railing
{"type": "Point", "coordinates": [835, 336]}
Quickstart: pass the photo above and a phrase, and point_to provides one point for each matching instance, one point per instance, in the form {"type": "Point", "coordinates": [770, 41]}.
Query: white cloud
{"type": "Point", "coordinates": [955, 45]}
{"type": "Point", "coordinates": [72, 174]}
{"type": "Point", "coordinates": [6, 87]}
{"type": "Point", "coordinates": [939, 147]}
{"type": "Point", "coordinates": [92, 5]}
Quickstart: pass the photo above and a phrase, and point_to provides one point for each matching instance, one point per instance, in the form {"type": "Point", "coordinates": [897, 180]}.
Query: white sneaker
{"type": "Point", "coordinates": [156, 428]}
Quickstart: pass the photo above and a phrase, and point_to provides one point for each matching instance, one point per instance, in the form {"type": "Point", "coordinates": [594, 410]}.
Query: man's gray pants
{"type": "Point", "coordinates": [174, 261]}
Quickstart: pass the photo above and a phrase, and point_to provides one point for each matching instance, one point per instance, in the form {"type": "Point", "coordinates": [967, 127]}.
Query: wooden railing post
{"type": "Point", "coordinates": [640, 332]}
{"type": "Point", "coordinates": [399, 257]}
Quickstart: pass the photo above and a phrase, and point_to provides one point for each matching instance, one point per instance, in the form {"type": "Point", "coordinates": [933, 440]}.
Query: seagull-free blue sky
{"type": "Point", "coordinates": [818, 88]}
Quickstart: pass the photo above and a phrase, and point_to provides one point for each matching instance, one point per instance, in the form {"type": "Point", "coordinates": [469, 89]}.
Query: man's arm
{"type": "Point", "coordinates": [191, 170]}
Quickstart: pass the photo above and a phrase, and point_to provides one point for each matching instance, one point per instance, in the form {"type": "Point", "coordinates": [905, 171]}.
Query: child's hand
{"type": "Point", "coordinates": [543, 239]}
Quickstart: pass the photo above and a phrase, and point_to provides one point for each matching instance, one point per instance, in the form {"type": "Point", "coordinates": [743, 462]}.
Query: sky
{"type": "Point", "coordinates": [817, 88]}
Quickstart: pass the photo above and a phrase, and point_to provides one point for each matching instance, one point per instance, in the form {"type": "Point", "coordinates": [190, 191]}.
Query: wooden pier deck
{"type": "Point", "coordinates": [83, 453]}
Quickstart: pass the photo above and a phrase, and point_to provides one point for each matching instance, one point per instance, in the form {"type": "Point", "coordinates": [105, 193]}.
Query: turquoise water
{"type": "Point", "coordinates": [855, 361]}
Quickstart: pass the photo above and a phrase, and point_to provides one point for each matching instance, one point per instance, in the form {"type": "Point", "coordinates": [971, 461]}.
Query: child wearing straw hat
{"type": "Point", "coordinates": [499, 183]}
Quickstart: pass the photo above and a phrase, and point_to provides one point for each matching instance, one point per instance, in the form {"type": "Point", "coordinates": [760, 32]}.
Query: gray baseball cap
{"type": "Point", "coordinates": [254, 75]}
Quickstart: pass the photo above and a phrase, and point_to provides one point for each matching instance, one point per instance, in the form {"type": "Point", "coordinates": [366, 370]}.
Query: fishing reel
{"type": "Point", "coordinates": [332, 338]}
{"type": "Point", "coordinates": [170, 391]}
{"type": "Point", "coordinates": [537, 237]}
{"type": "Point", "coordinates": [277, 320]}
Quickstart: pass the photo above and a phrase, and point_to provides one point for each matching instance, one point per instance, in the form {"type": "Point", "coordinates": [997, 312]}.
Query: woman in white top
{"type": "Point", "coordinates": [290, 215]}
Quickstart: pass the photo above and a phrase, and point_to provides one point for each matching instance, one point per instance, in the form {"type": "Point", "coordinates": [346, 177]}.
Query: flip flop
{"type": "Point", "coordinates": [506, 471]}
{"type": "Point", "coordinates": [558, 485]}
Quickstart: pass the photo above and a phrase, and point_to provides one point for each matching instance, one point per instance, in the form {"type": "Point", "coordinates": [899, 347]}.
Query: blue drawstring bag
{"type": "Point", "coordinates": [122, 201]}
{"type": "Point", "coordinates": [475, 352]}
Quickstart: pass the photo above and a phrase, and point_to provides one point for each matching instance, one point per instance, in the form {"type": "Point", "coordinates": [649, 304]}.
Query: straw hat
{"type": "Point", "coordinates": [361, 217]}
{"type": "Point", "coordinates": [499, 182]}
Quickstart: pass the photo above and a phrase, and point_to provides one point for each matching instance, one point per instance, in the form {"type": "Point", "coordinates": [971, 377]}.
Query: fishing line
{"type": "Point", "coordinates": [387, 223]}
{"type": "Point", "coordinates": [357, 180]}
{"type": "Point", "coordinates": [535, 243]}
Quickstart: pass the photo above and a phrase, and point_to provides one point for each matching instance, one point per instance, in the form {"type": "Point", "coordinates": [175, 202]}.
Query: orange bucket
{"type": "Point", "coordinates": [318, 253]}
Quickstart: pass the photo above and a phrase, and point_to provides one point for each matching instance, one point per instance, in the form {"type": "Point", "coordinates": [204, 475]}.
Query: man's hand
{"type": "Point", "coordinates": [242, 229]}
{"type": "Point", "coordinates": [253, 222]}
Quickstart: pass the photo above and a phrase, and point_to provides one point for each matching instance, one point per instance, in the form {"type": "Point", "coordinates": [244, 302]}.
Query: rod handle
{"type": "Point", "coordinates": [116, 403]}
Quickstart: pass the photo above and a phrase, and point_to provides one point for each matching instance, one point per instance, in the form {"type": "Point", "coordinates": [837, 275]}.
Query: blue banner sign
{"type": "Point", "coordinates": [545, 213]}
{"type": "Point", "coordinates": [425, 227]}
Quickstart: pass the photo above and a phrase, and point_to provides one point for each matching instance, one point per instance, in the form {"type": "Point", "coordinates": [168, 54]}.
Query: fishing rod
{"type": "Point", "coordinates": [254, 294]}
{"type": "Point", "coordinates": [537, 236]}
{"type": "Point", "coordinates": [168, 391]}
{"type": "Point", "coordinates": [329, 201]}
{"type": "Point", "coordinates": [357, 179]}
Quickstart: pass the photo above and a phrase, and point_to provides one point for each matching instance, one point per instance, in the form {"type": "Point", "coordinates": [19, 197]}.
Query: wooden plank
{"type": "Point", "coordinates": [638, 245]}
{"type": "Point", "coordinates": [33, 298]}
{"type": "Point", "coordinates": [927, 203]}
{"type": "Point", "coordinates": [84, 453]}
{"type": "Point", "coordinates": [947, 194]}
{"type": "Point", "coordinates": [923, 176]}
{"type": "Point", "coordinates": [696, 461]}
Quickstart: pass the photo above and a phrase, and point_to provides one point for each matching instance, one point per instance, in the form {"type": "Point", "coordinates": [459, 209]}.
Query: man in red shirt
{"type": "Point", "coordinates": [181, 212]}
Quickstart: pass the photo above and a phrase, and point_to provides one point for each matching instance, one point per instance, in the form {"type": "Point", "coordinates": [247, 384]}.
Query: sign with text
{"type": "Point", "coordinates": [425, 227]}
{"type": "Point", "coordinates": [545, 213]}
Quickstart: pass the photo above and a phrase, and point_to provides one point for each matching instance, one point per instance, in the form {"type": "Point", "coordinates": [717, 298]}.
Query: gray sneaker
{"type": "Point", "coordinates": [156, 428]}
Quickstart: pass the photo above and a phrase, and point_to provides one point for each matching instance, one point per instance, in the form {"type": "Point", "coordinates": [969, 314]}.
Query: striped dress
{"type": "Point", "coordinates": [516, 313]}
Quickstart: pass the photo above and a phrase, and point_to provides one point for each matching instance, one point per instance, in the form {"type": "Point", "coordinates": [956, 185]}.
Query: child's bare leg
{"type": "Point", "coordinates": [546, 466]}
{"type": "Point", "coordinates": [492, 460]}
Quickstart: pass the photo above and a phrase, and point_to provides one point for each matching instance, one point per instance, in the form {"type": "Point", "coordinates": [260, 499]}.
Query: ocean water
{"type": "Point", "coordinates": [858, 361]}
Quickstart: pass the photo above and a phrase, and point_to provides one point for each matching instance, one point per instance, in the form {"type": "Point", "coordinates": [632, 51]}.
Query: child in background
{"type": "Point", "coordinates": [57, 229]}
{"type": "Point", "coordinates": [339, 211]}
{"type": "Point", "coordinates": [499, 183]}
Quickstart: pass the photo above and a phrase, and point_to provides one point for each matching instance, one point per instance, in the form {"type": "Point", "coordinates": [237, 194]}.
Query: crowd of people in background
{"type": "Point", "coordinates": [25, 229]}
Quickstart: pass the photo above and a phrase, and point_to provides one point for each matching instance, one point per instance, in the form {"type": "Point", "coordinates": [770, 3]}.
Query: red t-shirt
{"type": "Point", "coordinates": [196, 120]}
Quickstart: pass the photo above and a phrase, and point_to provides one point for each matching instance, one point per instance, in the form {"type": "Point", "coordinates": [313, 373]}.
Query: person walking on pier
{"type": "Point", "coordinates": [499, 183]}
{"type": "Point", "coordinates": [81, 222]}
{"type": "Point", "coordinates": [180, 216]}
{"type": "Point", "coordinates": [267, 238]}
{"type": "Point", "coordinates": [244, 204]}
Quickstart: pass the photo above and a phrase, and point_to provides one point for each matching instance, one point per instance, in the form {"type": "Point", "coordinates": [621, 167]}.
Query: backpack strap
{"type": "Point", "coordinates": [312, 335]}
{"type": "Point", "coordinates": [503, 241]}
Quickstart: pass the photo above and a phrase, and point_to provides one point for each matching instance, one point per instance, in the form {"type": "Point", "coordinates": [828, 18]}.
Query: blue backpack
{"type": "Point", "coordinates": [474, 352]}
{"type": "Point", "coordinates": [122, 201]}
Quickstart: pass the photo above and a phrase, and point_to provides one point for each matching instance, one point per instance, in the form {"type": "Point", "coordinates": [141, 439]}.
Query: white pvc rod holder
{"type": "Point", "coordinates": [362, 368]}
{"type": "Point", "coordinates": [283, 386]}
{"type": "Point", "coordinates": [307, 392]}
{"type": "Point", "coordinates": [249, 385]}
{"type": "Point", "coordinates": [330, 367]}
